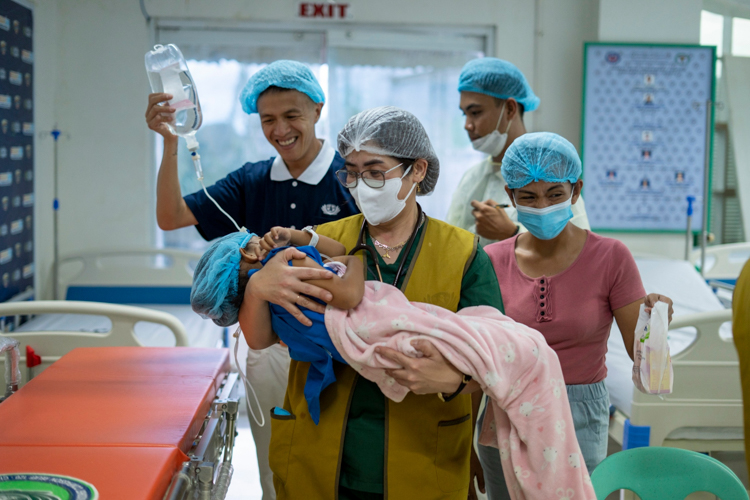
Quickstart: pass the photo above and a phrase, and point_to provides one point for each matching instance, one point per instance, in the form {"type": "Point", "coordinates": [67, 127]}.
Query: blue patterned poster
{"type": "Point", "coordinates": [644, 134]}
{"type": "Point", "coordinates": [16, 150]}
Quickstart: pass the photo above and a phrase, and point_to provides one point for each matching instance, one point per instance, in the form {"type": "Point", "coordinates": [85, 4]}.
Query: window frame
{"type": "Point", "coordinates": [327, 34]}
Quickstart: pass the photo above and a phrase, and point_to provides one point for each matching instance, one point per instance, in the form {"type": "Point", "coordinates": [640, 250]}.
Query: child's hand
{"type": "Point", "coordinates": [277, 237]}
{"type": "Point", "coordinates": [252, 253]}
{"type": "Point", "coordinates": [255, 252]}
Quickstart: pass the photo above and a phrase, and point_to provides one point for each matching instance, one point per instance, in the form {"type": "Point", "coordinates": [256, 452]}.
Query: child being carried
{"type": "Point", "coordinates": [529, 419]}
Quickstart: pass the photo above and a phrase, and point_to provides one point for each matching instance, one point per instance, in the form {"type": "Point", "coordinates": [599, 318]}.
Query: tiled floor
{"type": "Point", "coordinates": [245, 483]}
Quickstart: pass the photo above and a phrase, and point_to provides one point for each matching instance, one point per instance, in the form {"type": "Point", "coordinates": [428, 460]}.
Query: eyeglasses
{"type": "Point", "coordinates": [373, 178]}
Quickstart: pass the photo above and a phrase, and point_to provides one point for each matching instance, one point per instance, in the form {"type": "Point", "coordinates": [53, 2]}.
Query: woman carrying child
{"type": "Point", "coordinates": [365, 445]}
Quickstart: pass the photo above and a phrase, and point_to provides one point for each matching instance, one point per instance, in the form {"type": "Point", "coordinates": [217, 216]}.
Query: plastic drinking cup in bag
{"type": "Point", "coordinates": [652, 364]}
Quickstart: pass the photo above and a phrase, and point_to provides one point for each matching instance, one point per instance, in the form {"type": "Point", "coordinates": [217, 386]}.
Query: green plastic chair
{"type": "Point", "coordinates": [656, 473]}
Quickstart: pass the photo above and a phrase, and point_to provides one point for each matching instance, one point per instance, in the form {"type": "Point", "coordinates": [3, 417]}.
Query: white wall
{"type": "Point", "coordinates": [45, 74]}
{"type": "Point", "coordinates": [659, 21]}
{"type": "Point", "coordinates": [562, 29]}
{"type": "Point", "coordinates": [91, 82]}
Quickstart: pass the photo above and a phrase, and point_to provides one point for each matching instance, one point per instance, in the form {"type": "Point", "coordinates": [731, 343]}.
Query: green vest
{"type": "Point", "coordinates": [428, 442]}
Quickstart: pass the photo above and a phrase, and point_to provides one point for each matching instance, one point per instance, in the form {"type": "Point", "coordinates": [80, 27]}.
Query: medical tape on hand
{"type": "Point", "coordinates": [170, 77]}
{"type": "Point", "coordinates": [262, 421]}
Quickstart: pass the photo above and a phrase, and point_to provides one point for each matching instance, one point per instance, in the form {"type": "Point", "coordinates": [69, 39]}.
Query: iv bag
{"type": "Point", "coordinates": [168, 72]}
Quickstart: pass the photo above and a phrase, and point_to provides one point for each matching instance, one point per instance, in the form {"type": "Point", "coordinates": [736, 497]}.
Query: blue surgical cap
{"type": "Point", "coordinates": [215, 290]}
{"type": "Point", "coordinates": [285, 74]}
{"type": "Point", "coordinates": [541, 156]}
{"type": "Point", "coordinates": [498, 78]}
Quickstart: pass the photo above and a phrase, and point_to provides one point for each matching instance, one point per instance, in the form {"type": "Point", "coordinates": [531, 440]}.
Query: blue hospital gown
{"type": "Point", "coordinates": [308, 344]}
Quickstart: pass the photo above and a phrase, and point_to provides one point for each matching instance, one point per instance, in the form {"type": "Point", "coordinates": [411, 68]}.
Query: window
{"type": "Point", "coordinates": [416, 70]}
{"type": "Point", "coordinates": [712, 33]}
{"type": "Point", "coordinates": [730, 36]}
{"type": "Point", "coordinates": [740, 37]}
{"type": "Point", "coordinates": [228, 137]}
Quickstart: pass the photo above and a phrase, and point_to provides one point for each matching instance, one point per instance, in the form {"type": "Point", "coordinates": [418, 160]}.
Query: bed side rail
{"type": "Point", "coordinates": [52, 345]}
{"type": "Point", "coordinates": [708, 345]}
{"type": "Point", "coordinates": [136, 266]}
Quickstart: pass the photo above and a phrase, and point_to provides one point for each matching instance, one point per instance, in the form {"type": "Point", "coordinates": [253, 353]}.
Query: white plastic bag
{"type": "Point", "coordinates": [652, 366]}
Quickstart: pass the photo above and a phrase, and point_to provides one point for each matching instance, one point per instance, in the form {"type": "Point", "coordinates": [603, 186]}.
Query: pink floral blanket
{"type": "Point", "coordinates": [528, 418]}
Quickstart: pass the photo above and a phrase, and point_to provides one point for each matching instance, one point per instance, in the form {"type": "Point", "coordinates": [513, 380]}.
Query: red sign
{"type": "Point", "coordinates": [324, 10]}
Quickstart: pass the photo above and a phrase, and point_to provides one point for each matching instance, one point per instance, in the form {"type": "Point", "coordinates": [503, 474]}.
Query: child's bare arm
{"type": "Point", "coordinates": [328, 246]}
{"type": "Point", "coordinates": [347, 291]}
{"type": "Point", "coordinates": [255, 321]}
{"type": "Point", "coordinates": [281, 236]}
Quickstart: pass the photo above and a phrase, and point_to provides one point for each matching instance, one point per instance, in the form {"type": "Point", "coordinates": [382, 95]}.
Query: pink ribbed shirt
{"type": "Point", "coordinates": [572, 309]}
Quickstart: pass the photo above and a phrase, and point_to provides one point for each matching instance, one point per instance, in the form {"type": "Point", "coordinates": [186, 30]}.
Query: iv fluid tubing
{"type": "Point", "coordinates": [197, 164]}
{"type": "Point", "coordinates": [224, 478]}
{"type": "Point", "coordinates": [199, 173]}
{"type": "Point", "coordinates": [248, 385]}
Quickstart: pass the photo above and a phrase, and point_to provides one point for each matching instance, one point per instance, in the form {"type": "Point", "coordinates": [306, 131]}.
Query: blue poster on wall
{"type": "Point", "coordinates": [16, 150]}
{"type": "Point", "coordinates": [644, 134]}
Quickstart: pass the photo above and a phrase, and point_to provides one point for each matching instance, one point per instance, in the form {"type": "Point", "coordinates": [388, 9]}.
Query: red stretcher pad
{"type": "Point", "coordinates": [126, 473]}
{"type": "Point", "coordinates": [116, 397]}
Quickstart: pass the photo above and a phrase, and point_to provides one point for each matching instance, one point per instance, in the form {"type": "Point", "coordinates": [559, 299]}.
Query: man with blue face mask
{"type": "Point", "coordinates": [494, 97]}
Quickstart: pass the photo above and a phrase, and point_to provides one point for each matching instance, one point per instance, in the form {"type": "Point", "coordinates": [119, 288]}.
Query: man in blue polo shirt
{"type": "Point", "coordinates": [295, 189]}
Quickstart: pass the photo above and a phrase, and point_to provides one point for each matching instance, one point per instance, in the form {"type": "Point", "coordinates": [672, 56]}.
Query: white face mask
{"type": "Point", "coordinates": [381, 205]}
{"type": "Point", "coordinates": [493, 143]}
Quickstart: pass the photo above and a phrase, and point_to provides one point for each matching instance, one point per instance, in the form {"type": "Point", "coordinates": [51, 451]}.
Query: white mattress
{"type": "Point", "coordinates": [686, 287]}
{"type": "Point", "coordinates": [200, 332]}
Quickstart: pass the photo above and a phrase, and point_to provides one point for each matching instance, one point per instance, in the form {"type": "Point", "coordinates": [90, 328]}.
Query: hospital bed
{"type": "Point", "coordinates": [153, 284]}
{"type": "Point", "coordinates": [723, 262]}
{"type": "Point", "coordinates": [704, 412]}
{"type": "Point", "coordinates": [131, 422]}
{"type": "Point", "coordinates": [158, 279]}
{"type": "Point", "coordinates": [65, 325]}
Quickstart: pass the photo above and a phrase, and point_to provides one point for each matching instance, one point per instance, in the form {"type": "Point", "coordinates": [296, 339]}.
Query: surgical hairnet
{"type": "Point", "coordinates": [391, 131]}
{"type": "Point", "coordinates": [285, 74]}
{"type": "Point", "coordinates": [498, 78]}
{"type": "Point", "coordinates": [541, 156]}
{"type": "Point", "coordinates": [215, 292]}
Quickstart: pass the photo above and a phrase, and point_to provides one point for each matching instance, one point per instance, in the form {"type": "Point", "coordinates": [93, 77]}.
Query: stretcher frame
{"type": "Point", "coordinates": [198, 477]}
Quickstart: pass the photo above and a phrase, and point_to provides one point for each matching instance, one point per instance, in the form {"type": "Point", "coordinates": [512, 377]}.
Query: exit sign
{"type": "Point", "coordinates": [324, 10]}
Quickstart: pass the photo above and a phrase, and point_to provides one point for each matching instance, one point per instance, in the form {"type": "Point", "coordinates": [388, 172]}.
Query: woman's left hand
{"type": "Point", "coordinates": [430, 374]}
{"type": "Point", "coordinates": [653, 298]}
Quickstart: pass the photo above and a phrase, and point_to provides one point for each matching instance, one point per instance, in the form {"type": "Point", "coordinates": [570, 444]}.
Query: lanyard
{"type": "Point", "coordinates": [405, 253]}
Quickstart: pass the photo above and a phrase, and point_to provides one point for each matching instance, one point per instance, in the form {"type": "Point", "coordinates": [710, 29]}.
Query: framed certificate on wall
{"type": "Point", "coordinates": [644, 134]}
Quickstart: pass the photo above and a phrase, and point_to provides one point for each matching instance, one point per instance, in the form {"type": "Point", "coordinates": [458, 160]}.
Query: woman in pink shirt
{"type": "Point", "coordinates": [567, 283]}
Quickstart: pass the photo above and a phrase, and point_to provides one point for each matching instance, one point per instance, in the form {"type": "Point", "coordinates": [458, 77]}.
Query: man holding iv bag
{"type": "Point", "coordinates": [295, 189]}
